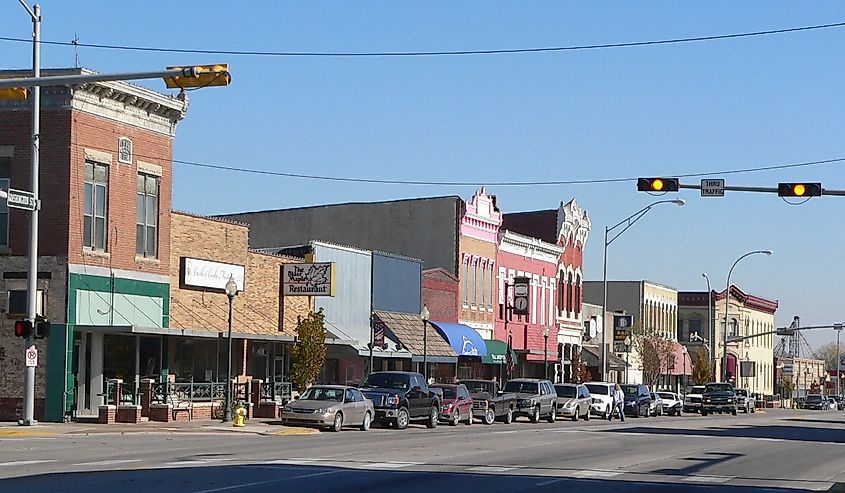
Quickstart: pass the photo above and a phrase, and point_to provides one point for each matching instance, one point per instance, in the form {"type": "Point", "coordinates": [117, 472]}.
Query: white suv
{"type": "Point", "coordinates": [602, 394]}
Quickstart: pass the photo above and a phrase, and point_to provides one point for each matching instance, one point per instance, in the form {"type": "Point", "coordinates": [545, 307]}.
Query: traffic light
{"type": "Point", "coordinates": [799, 189]}
{"type": "Point", "coordinates": [13, 93]}
{"type": "Point", "coordinates": [657, 185]}
{"type": "Point", "coordinates": [206, 76]}
{"type": "Point", "coordinates": [42, 329]}
{"type": "Point", "coordinates": [23, 328]}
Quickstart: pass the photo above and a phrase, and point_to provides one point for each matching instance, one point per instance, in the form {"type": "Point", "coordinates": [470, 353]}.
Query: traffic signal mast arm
{"type": "Point", "coordinates": [183, 74]}
{"type": "Point", "coordinates": [783, 331]}
{"type": "Point", "coordinates": [734, 188]}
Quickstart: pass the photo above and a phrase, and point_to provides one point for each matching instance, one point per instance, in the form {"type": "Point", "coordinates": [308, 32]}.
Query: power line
{"type": "Point", "coordinates": [431, 53]}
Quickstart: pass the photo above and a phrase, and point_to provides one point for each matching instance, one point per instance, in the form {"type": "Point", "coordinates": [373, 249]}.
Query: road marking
{"type": "Point", "coordinates": [491, 469]}
{"type": "Point", "coordinates": [107, 462]}
{"type": "Point", "coordinates": [246, 485]}
{"type": "Point", "coordinates": [24, 462]}
{"type": "Point", "coordinates": [287, 462]}
{"type": "Point", "coordinates": [296, 431]}
{"type": "Point", "coordinates": [505, 432]}
{"type": "Point", "coordinates": [592, 473]}
{"type": "Point", "coordinates": [195, 462]}
{"type": "Point", "coordinates": [386, 465]}
{"type": "Point", "coordinates": [26, 433]}
{"type": "Point", "coordinates": [707, 479]}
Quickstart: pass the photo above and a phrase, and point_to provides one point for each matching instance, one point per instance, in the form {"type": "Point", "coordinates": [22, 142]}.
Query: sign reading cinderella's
{"type": "Point", "coordinates": [315, 279]}
{"type": "Point", "coordinates": [208, 274]}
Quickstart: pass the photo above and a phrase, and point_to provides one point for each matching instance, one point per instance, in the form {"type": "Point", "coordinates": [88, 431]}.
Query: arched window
{"type": "Point", "coordinates": [561, 291]}
{"type": "Point", "coordinates": [577, 295]}
{"type": "Point", "coordinates": [570, 293]}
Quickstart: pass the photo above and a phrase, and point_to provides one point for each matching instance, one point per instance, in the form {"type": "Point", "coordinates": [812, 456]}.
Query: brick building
{"type": "Point", "coordinates": [105, 147]}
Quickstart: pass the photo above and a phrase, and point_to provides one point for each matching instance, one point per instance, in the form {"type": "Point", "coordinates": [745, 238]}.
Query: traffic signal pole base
{"type": "Point", "coordinates": [27, 422]}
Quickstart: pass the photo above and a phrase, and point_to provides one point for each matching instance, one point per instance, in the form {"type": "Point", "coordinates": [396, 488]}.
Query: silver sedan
{"type": "Point", "coordinates": [331, 407]}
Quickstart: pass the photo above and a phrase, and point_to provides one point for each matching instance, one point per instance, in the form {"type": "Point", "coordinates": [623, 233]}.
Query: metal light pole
{"type": "Point", "coordinates": [546, 353]}
{"type": "Point", "coordinates": [711, 336]}
{"type": "Point", "coordinates": [838, 328]}
{"type": "Point", "coordinates": [424, 316]}
{"type": "Point", "coordinates": [32, 272]}
{"type": "Point", "coordinates": [727, 301]}
{"type": "Point", "coordinates": [231, 292]}
{"type": "Point", "coordinates": [628, 222]}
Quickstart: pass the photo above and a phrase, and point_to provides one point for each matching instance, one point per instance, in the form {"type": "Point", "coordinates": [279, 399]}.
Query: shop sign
{"type": "Point", "coordinates": [313, 279]}
{"type": "Point", "coordinates": [207, 274]}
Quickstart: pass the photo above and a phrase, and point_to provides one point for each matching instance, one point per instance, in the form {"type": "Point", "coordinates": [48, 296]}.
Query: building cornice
{"type": "Point", "coordinates": [573, 224]}
{"type": "Point", "coordinates": [526, 246]}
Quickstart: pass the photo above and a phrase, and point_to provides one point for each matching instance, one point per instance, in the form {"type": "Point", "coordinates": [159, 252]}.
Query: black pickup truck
{"type": "Point", "coordinates": [401, 397]}
{"type": "Point", "coordinates": [488, 403]}
{"type": "Point", "coordinates": [718, 398]}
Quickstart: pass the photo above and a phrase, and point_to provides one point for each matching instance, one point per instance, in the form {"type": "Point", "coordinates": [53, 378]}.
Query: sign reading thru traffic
{"type": "Point", "coordinates": [713, 188]}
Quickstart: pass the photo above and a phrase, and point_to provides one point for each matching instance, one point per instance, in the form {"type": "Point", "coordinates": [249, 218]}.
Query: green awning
{"type": "Point", "coordinates": [496, 351]}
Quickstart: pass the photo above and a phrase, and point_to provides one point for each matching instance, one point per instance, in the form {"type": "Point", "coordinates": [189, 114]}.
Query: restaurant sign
{"type": "Point", "coordinates": [207, 274]}
{"type": "Point", "coordinates": [315, 279]}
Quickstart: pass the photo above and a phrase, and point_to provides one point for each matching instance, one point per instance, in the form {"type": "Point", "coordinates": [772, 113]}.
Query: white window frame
{"type": "Point", "coordinates": [95, 185]}
{"type": "Point", "coordinates": [146, 224]}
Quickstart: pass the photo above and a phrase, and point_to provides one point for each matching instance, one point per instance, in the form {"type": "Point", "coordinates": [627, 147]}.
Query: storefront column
{"type": "Point", "coordinates": [95, 379]}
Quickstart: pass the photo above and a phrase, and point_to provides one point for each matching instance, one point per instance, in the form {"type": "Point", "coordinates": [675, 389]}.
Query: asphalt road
{"type": "Point", "coordinates": [775, 451]}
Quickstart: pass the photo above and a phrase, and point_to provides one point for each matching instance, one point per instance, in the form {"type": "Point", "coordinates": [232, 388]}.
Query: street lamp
{"type": "Point", "coordinates": [546, 353]}
{"type": "Point", "coordinates": [727, 301]}
{"type": "Point", "coordinates": [424, 316]}
{"type": "Point", "coordinates": [710, 333]}
{"type": "Point", "coordinates": [628, 222]}
{"type": "Point", "coordinates": [627, 342]}
{"type": "Point", "coordinates": [231, 291]}
{"type": "Point", "coordinates": [838, 328]}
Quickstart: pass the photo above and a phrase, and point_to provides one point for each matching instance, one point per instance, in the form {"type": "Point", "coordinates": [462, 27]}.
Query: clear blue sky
{"type": "Point", "coordinates": [661, 110]}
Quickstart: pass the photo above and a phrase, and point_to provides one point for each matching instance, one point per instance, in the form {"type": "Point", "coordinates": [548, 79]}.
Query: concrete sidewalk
{"type": "Point", "coordinates": [253, 426]}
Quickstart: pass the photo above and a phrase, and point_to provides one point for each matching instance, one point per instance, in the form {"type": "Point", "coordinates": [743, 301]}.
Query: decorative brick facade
{"type": "Point", "coordinates": [441, 294]}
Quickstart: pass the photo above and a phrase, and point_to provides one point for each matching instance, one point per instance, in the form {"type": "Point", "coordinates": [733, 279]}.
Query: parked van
{"type": "Point", "coordinates": [602, 395]}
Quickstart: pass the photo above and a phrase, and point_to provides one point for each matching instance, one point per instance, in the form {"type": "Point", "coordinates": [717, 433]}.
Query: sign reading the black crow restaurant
{"type": "Point", "coordinates": [315, 279]}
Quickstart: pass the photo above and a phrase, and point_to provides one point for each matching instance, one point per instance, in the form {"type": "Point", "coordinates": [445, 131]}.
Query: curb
{"type": "Point", "coordinates": [26, 433]}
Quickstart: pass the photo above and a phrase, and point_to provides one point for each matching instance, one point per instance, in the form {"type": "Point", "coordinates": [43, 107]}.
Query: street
{"type": "Point", "coordinates": [781, 450]}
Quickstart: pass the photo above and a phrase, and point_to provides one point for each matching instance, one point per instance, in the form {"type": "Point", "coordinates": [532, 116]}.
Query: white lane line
{"type": "Point", "coordinates": [381, 465]}
{"type": "Point", "coordinates": [551, 481]}
{"type": "Point", "coordinates": [286, 462]}
{"type": "Point", "coordinates": [592, 473]}
{"type": "Point", "coordinates": [108, 462]}
{"type": "Point", "coordinates": [195, 462]}
{"type": "Point", "coordinates": [247, 485]}
{"type": "Point", "coordinates": [505, 432]}
{"type": "Point", "coordinates": [25, 462]}
{"type": "Point", "coordinates": [707, 479]}
{"type": "Point", "coordinates": [491, 469]}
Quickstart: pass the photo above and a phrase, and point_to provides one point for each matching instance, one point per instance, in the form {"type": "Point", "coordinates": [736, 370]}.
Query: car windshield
{"type": "Point", "coordinates": [387, 381]}
{"type": "Point", "coordinates": [654, 396]}
{"type": "Point", "coordinates": [598, 389]}
{"type": "Point", "coordinates": [630, 389]}
{"type": "Point", "coordinates": [697, 390]}
{"type": "Point", "coordinates": [521, 387]}
{"type": "Point", "coordinates": [814, 398]}
{"type": "Point", "coordinates": [741, 392]}
{"type": "Point", "coordinates": [666, 395]}
{"type": "Point", "coordinates": [479, 387]}
{"type": "Point", "coordinates": [322, 394]}
{"type": "Point", "coordinates": [448, 392]}
{"type": "Point", "coordinates": [718, 387]}
{"type": "Point", "coordinates": [565, 391]}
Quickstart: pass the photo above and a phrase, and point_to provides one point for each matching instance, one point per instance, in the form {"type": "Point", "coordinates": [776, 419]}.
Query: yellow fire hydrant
{"type": "Point", "coordinates": [240, 417]}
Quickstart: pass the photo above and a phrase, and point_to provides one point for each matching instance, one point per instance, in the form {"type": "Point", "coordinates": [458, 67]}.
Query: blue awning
{"type": "Point", "coordinates": [463, 338]}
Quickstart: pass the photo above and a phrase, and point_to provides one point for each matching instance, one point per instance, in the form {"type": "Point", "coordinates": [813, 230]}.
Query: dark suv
{"type": "Point", "coordinates": [637, 400]}
{"type": "Point", "coordinates": [718, 398]}
{"type": "Point", "coordinates": [401, 397]}
{"type": "Point", "coordinates": [536, 398]}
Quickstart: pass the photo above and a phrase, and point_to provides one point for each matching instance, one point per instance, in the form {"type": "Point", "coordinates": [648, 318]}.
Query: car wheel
{"type": "Point", "coordinates": [553, 414]}
{"type": "Point", "coordinates": [401, 421]}
{"type": "Point", "coordinates": [337, 425]}
{"type": "Point", "coordinates": [367, 421]}
{"type": "Point", "coordinates": [587, 416]}
{"type": "Point", "coordinates": [575, 416]}
{"type": "Point", "coordinates": [455, 419]}
{"type": "Point", "coordinates": [490, 416]}
{"type": "Point", "coordinates": [636, 411]}
{"type": "Point", "coordinates": [535, 415]}
{"type": "Point", "coordinates": [704, 412]}
{"type": "Point", "coordinates": [753, 410]}
{"type": "Point", "coordinates": [608, 414]}
{"type": "Point", "coordinates": [509, 416]}
{"type": "Point", "coordinates": [470, 419]}
{"type": "Point", "coordinates": [432, 419]}
{"type": "Point", "coordinates": [733, 411]}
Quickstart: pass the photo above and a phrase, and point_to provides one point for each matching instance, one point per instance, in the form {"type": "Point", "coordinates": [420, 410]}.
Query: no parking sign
{"type": "Point", "coordinates": [32, 357]}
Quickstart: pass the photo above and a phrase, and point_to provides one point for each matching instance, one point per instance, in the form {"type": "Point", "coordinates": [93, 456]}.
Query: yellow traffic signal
{"type": "Point", "coordinates": [799, 189]}
{"type": "Point", "coordinates": [13, 93]}
{"type": "Point", "coordinates": [658, 184]}
{"type": "Point", "coordinates": [206, 76]}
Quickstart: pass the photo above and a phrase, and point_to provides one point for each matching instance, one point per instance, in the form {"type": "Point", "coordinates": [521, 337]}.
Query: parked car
{"type": "Point", "coordinates": [602, 395]}
{"type": "Point", "coordinates": [816, 402]}
{"type": "Point", "coordinates": [832, 403]}
{"type": "Point", "coordinates": [537, 398]}
{"type": "Point", "coordinates": [637, 400]}
{"type": "Point", "coordinates": [745, 400]}
{"type": "Point", "coordinates": [401, 397]}
{"type": "Point", "coordinates": [672, 403]}
{"type": "Point", "coordinates": [489, 403]}
{"type": "Point", "coordinates": [718, 398]}
{"type": "Point", "coordinates": [840, 402]}
{"type": "Point", "coordinates": [331, 407]}
{"type": "Point", "coordinates": [455, 403]}
{"type": "Point", "coordinates": [692, 400]}
{"type": "Point", "coordinates": [573, 401]}
{"type": "Point", "coordinates": [656, 408]}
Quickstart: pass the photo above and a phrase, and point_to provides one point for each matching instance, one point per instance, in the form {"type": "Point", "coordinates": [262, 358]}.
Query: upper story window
{"type": "Point", "coordinates": [578, 299]}
{"type": "Point", "coordinates": [146, 213]}
{"type": "Point", "coordinates": [5, 164]}
{"type": "Point", "coordinates": [95, 206]}
{"type": "Point", "coordinates": [124, 150]}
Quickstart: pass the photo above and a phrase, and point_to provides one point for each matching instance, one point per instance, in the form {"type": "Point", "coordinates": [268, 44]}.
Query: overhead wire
{"type": "Point", "coordinates": [503, 51]}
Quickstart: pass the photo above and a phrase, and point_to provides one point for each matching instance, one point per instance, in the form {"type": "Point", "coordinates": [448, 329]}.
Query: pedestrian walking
{"type": "Point", "coordinates": [619, 403]}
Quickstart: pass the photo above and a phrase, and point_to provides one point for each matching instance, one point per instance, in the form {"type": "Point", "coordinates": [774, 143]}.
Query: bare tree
{"type": "Point", "coordinates": [701, 368]}
{"type": "Point", "coordinates": [829, 353]}
{"type": "Point", "coordinates": [656, 352]}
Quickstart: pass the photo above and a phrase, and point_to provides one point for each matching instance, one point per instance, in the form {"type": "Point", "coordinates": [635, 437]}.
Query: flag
{"type": "Point", "coordinates": [508, 355]}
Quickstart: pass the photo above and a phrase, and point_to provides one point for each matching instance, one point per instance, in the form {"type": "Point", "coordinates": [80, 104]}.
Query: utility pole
{"type": "Point", "coordinates": [32, 272]}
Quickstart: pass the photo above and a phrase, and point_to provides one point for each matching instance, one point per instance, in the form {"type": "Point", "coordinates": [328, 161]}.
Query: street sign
{"type": "Point", "coordinates": [713, 187]}
{"type": "Point", "coordinates": [787, 369]}
{"type": "Point", "coordinates": [620, 347]}
{"type": "Point", "coordinates": [520, 295]}
{"type": "Point", "coordinates": [32, 357]}
{"type": "Point", "coordinates": [20, 199]}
